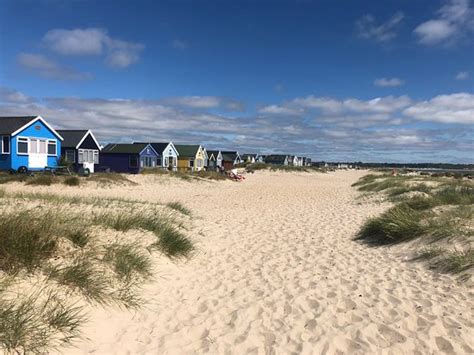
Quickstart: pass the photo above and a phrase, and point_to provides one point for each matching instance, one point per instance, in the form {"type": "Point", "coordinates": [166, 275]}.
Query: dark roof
{"type": "Point", "coordinates": [159, 147]}
{"type": "Point", "coordinates": [213, 152]}
{"type": "Point", "coordinates": [186, 151]}
{"type": "Point", "coordinates": [8, 125]}
{"type": "Point", "coordinates": [245, 156]}
{"type": "Point", "coordinates": [229, 156]}
{"type": "Point", "coordinates": [124, 148]}
{"type": "Point", "coordinates": [72, 137]}
{"type": "Point", "coordinates": [275, 159]}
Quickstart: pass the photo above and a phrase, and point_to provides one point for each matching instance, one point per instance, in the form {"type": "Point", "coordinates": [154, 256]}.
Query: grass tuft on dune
{"type": "Point", "coordinates": [60, 249]}
{"type": "Point", "coordinates": [178, 206]}
{"type": "Point", "coordinates": [398, 224]}
{"type": "Point", "coordinates": [439, 214]}
{"type": "Point", "coordinates": [38, 322]}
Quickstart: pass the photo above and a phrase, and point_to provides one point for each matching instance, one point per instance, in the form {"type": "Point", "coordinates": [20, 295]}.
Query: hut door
{"type": "Point", "coordinates": [38, 157]}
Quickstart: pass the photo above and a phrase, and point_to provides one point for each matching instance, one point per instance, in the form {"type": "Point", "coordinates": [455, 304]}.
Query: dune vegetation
{"type": "Point", "coordinates": [252, 167]}
{"type": "Point", "coordinates": [437, 213]}
{"type": "Point", "coordinates": [60, 254]}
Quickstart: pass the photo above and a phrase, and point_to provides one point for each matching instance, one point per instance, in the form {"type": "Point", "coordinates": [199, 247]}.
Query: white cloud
{"type": "Point", "coordinates": [454, 108]}
{"type": "Point", "coordinates": [454, 19]}
{"type": "Point", "coordinates": [46, 68]}
{"type": "Point", "coordinates": [386, 104]}
{"type": "Point", "coordinates": [362, 130]}
{"type": "Point", "coordinates": [462, 75]}
{"type": "Point", "coordinates": [93, 41]}
{"type": "Point", "coordinates": [385, 82]}
{"type": "Point", "coordinates": [88, 41]}
{"type": "Point", "coordinates": [204, 102]}
{"type": "Point", "coordinates": [180, 44]}
{"type": "Point", "coordinates": [122, 54]}
{"type": "Point", "coordinates": [328, 105]}
{"type": "Point", "coordinates": [368, 28]}
{"type": "Point", "coordinates": [14, 97]}
{"type": "Point", "coordinates": [324, 103]}
{"type": "Point", "coordinates": [279, 110]}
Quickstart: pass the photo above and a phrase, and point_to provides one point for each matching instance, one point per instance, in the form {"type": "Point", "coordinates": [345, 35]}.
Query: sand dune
{"type": "Point", "coordinates": [277, 272]}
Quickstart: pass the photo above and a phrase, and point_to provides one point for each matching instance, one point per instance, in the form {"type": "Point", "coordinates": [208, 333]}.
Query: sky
{"type": "Point", "coordinates": [334, 80]}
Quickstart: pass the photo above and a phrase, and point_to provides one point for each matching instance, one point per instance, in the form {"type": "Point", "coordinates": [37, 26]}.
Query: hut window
{"type": "Point", "coordinates": [5, 145]}
{"type": "Point", "coordinates": [22, 145]}
{"type": "Point", "coordinates": [80, 157]}
{"type": "Point", "coordinates": [199, 163]}
{"type": "Point", "coordinates": [158, 161]}
{"type": "Point", "coordinates": [191, 162]}
{"type": "Point", "coordinates": [51, 147]}
{"type": "Point", "coordinates": [133, 162]}
{"type": "Point", "coordinates": [70, 156]}
{"type": "Point", "coordinates": [96, 157]}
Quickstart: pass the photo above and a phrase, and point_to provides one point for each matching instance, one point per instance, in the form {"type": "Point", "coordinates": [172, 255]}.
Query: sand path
{"type": "Point", "coordinates": [277, 272]}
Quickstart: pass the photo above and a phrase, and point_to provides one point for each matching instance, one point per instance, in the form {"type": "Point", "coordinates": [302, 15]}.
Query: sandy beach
{"type": "Point", "coordinates": [277, 272]}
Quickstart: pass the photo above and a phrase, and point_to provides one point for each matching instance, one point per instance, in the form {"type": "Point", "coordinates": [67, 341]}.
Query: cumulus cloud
{"type": "Point", "coordinates": [385, 82]}
{"type": "Point", "coordinates": [49, 69]}
{"type": "Point", "coordinates": [205, 102]}
{"type": "Point", "coordinates": [454, 19]}
{"type": "Point", "coordinates": [462, 75]}
{"type": "Point", "coordinates": [87, 41]}
{"type": "Point", "coordinates": [357, 130]}
{"type": "Point", "coordinates": [93, 41]}
{"type": "Point", "coordinates": [13, 96]}
{"type": "Point", "coordinates": [454, 108]}
{"type": "Point", "coordinates": [279, 110]}
{"type": "Point", "coordinates": [368, 28]}
{"type": "Point", "coordinates": [329, 105]}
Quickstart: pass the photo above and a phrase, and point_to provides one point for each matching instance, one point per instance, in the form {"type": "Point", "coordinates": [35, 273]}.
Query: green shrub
{"type": "Point", "coordinates": [173, 243]}
{"type": "Point", "coordinates": [170, 240]}
{"type": "Point", "coordinates": [446, 261]}
{"type": "Point", "coordinates": [34, 324]}
{"type": "Point", "coordinates": [455, 195]}
{"type": "Point", "coordinates": [106, 179]}
{"type": "Point", "coordinates": [26, 241]}
{"type": "Point", "coordinates": [398, 224]}
{"type": "Point", "coordinates": [128, 261]}
{"type": "Point", "coordinates": [178, 206]}
{"type": "Point", "coordinates": [41, 180]}
{"type": "Point", "coordinates": [72, 181]}
{"type": "Point", "coordinates": [84, 277]}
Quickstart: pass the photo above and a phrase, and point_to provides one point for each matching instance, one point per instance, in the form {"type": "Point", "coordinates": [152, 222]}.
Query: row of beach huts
{"type": "Point", "coordinates": [29, 143]}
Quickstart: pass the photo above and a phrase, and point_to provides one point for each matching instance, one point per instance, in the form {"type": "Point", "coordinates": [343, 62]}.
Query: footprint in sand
{"type": "Point", "coordinates": [444, 345]}
{"type": "Point", "coordinates": [392, 336]}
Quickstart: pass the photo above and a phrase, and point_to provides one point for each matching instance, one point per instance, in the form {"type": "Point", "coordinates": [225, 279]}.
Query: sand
{"type": "Point", "coordinates": [277, 272]}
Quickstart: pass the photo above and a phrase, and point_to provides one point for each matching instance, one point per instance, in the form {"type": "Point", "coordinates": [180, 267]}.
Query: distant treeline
{"type": "Point", "coordinates": [401, 165]}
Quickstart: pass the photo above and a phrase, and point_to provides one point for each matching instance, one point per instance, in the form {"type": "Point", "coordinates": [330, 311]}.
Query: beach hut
{"type": "Point", "coordinates": [128, 158]}
{"type": "Point", "coordinates": [191, 157]}
{"type": "Point", "coordinates": [206, 158]}
{"type": "Point", "coordinates": [168, 155]}
{"type": "Point", "coordinates": [249, 158]}
{"type": "Point", "coordinates": [28, 143]}
{"type": "Point", "coordinates": [230, 159]}
{"type": "Point", "coordinates": [260, 158]}
{"type": "Point", "coordinates": [277, 159]}
{"type": "Point", "coordinates": [80, 149]}
{"type": "Point", "coordinates": [214, 159]}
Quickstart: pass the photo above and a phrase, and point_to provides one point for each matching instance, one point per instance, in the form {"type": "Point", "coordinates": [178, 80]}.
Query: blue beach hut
{"type": "Point", "coordinates": [28, 143]}
{"type": "Point", "coordinates": [128, 158]}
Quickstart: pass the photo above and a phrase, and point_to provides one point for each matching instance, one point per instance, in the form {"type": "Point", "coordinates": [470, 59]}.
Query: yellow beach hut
{"type": "Point", "coordinates": [191, 157]}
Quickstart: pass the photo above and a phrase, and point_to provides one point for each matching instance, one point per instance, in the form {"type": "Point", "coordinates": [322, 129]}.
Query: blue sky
{"type": "Point", "coordinates": [334, 80]}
